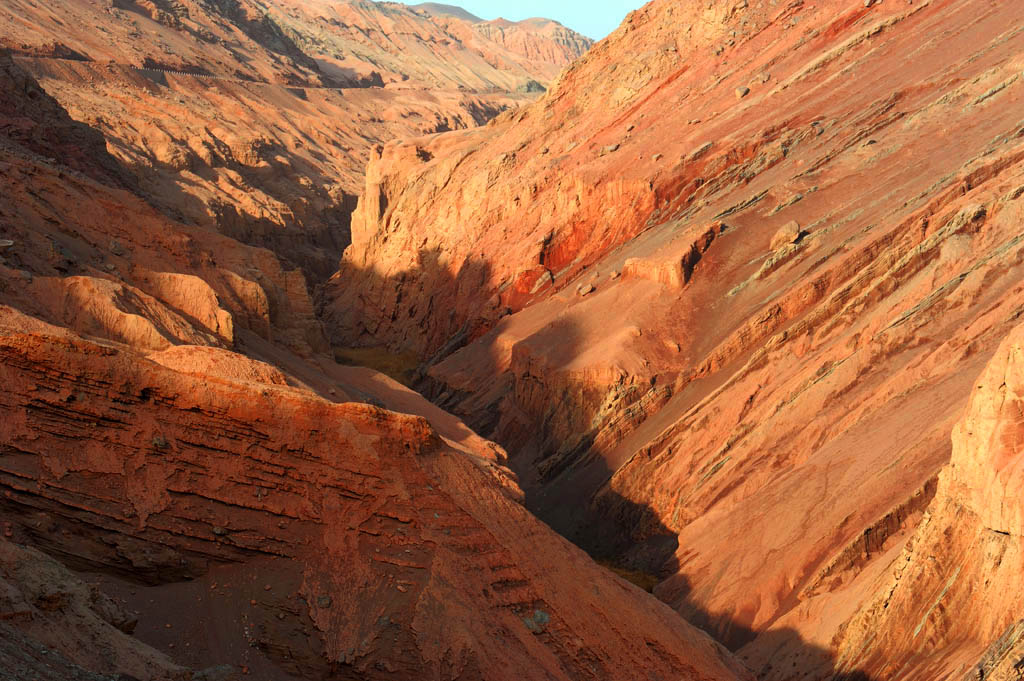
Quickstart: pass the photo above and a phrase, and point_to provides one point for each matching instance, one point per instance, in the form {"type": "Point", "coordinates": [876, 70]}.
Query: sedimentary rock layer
{"type": "Point", "coordinates": [405, 557]}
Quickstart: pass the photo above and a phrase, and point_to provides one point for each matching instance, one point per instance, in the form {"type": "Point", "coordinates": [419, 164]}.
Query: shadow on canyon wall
{"type": "Point", "coordinates": [311, 239]}
{"type": "Point", "coordinates": [628, 538]}
{"type": "Point", "coordinates": [562, 475]}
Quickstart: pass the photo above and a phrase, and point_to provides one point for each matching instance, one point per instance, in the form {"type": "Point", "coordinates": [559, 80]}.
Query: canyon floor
{"type": "Point", "coordinates": [381, 342]}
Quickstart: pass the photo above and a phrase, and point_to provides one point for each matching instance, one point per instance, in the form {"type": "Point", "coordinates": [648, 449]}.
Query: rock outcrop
{"type": "Point", "coordinates": [956, 588]}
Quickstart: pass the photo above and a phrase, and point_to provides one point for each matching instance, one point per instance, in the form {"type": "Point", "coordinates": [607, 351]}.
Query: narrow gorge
{"type": "Point", "coordinates": [357, 340]}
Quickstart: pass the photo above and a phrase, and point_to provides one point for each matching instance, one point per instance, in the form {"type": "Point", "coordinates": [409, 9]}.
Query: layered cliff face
{"type": "Point", "coordinates": [371, 548]}
{"type": "Point", "coordinates": [422, 46]}
{"type": "Point", "coordinates": [296, 42]}
{"type": "Point", "coordinates": [269, 165]}
{"type": "Point", "coordinates": [722, 299]}
{"type": "Point", "coordinates": [952, 597]}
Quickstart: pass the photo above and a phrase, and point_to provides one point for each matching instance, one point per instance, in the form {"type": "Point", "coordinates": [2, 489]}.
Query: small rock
{"type": "Point", "coordinates": [26, 275]}
{"type": "Point", "coordinates": [699, 153]}
{"type": "Point", "coordinates": [615, 274]}
{"type": "Point", "coordinates": [586, 290]}
{"type": "Point", "coordinates": [220, 531]}
{"type": "Point", "coordinates": [544, 150]}
{"type": "Point", "coordinates": [252, 601]}
{"type": "Point", "coordinates": [538, 622]}
{"type": "Point", "coordinates": [868, 3]}
{"type": "Point", "coordinates": [5, 244]}
{"type": "Point", "coordinates": [323, 601]}
{"type": "Point", "coordinates": [742, 92]}
{"type": "Point", "coordinates": [630, 128]}
{"type": "Point", "coordinates": [765, 77]}
{"type": "Point", "coordinates": [110, 267]}
{"type": "Point", "coordinates": [672, 345]}
{"type": "Point", "coordinates": [266, 587]}
{"type": "Point", "coordinates": [611, 148]}
{"type": "Point", "coordinates": [658, 157]}
{"type": "Point", "coordinates": [789, 233]}
{"type": "Point", "coordinates": [117, 248]}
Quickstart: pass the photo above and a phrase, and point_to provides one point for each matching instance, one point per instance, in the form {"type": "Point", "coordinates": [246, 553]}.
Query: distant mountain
{"type": "Point", "coordinates": [299, 42]}
{"type": "Point", "coordinates": [428, 45]}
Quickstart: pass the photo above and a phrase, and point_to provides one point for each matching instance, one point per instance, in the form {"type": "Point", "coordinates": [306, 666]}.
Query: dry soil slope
{"type": "Point", "coordinates": [669, 360]}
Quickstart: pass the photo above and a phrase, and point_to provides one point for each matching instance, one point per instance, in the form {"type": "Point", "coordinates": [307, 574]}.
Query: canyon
{"type": "Point", "coordinates": [369, 341]}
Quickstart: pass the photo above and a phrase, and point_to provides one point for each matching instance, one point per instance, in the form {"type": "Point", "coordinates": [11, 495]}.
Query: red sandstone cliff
{"type": "Point", "coordinates": [954, 592]}
{"type": "Point", "coordinates": [735, 274]}
{"type": "Point", "coordinates": [388, 553]}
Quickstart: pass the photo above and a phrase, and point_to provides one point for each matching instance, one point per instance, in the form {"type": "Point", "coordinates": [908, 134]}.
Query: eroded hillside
{"type": "Point", "coordinates": [722, 294]}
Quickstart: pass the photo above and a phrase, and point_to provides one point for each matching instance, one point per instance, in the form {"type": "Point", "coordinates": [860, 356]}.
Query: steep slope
{"type": "Point", "coordinates": [958, 581]}
{"type": "Point", "coordinates": [389, 554]}
{"type": "Point", "coordinates": [295, 42]}
{"type": "Point", "coordinates": [272, 166]}
{"type": "Point", "coordinates": [226, 38]}
{"type": "Point", "coordinates": [735, 286]}
{"type": "Point", "coordinates": [173, 431]}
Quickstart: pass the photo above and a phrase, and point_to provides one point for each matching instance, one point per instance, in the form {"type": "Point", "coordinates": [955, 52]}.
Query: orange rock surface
{"type": "Point", "coordinates": [257, 118]}
{"type": "Point", "coordinates": [609, 284]}
{"type": "Point", "coordinates": [402, 556]}
{"type": "Point", "coordinates": [956, 586]}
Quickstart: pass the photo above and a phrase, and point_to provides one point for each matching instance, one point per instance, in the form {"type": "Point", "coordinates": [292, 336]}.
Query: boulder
{"type": "Point", "coordinates": [789, 233]}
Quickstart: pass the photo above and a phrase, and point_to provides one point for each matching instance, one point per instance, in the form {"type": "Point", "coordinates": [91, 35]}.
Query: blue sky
{"type": "Point", "coordinates": [592, 18]}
